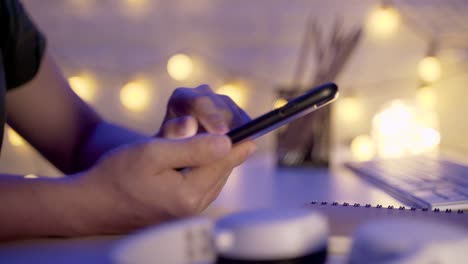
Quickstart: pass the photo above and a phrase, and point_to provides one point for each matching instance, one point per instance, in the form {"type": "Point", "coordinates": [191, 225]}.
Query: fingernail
{"type": "Point", "coordinates": [220, 145]}
{"type": "Point", "coordinates": [221, 129]}
{"type": "Point", "coordinates": [218, 124]}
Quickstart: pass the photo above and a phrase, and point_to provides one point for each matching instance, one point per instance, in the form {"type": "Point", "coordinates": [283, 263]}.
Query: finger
{"type": "Point", "coordinates": [210, 116]}
{"type": "Point", "coordinates": [205, 177]}
{"type": "Point", "coordinates": [239, 116]}
{"type": "Point", "coordinates": [213, 193]}
{"type": "Point", "coordinates": [178, 128]}
{"type": "Point", "coordinates": [202, 103]}
{"type": "Point", "coordinates": [204, 88]}
{"type": "Point", "coordinates": [213, 178]}
{"type": "Point", "coordinates": [191, 152]}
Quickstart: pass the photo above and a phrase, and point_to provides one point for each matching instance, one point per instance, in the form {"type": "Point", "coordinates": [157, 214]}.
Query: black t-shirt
{"type": "Point", "coordinates": [21, 49]}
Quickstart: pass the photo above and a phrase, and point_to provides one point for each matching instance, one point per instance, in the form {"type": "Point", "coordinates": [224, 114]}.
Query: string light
{"type": "Point", "coordinates": [429, 69]}
{"type": "Point", "coordinates": [383, 21]}
{"type": "Point", "coordinates": [135, 8]}
{"type": "Point", "coordinates": [136, 3]}
{"type": "Point", "coordinates": [349, 109]}
{"type": "Point", "coordinates": [362, 148]}
{"type": "Point", "coordinates": [14, 138]}
{"type": "Point", "coordinates": [401, 129]}
{"type": "Point", "coordinates": [135, 95]}
{"type": "Point", "coordinates": [180, 67]}
{"type": "Point", "coordinates": [84, 86]}
{"type": "Point", "coordinates": [279, 103]}
{"type": "Point", "coordinates": [430, 137]}
{"type": "Point", "coordinates": [236, 91]}
{"type": "Point", "coordinates": [426, 97]}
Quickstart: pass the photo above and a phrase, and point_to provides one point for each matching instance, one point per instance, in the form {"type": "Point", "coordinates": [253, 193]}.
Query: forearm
{"type": "Point", "coordinates": [104, 137]}
{"type": "Point", "coordinates": [35, 207]}
{"type": "Point", "coordinates": [63, 128]}
{"type": "Point", "coordinates": [50, 207]}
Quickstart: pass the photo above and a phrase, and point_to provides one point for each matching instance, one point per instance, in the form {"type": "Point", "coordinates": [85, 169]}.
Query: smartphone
{"type": "Point", "coordinates": [295, 108]}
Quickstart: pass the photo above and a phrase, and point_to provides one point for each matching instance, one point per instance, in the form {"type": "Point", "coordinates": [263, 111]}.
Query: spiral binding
{"type": "Point", "coordinates": [390, 207]}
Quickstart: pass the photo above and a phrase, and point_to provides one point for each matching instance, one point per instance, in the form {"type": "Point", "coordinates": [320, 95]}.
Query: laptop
{"type": "Point", "coordinates": [420, 181]}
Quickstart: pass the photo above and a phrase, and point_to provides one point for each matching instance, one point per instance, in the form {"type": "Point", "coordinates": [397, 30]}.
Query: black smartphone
{"type": "Point", "coordinates": [295, 108]}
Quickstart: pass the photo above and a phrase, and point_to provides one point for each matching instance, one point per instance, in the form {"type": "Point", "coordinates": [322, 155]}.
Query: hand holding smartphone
{"type": "Point", "coordinates": [294, 109]}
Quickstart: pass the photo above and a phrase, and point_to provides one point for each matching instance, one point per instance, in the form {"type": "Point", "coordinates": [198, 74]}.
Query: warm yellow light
{"type": "Point", "coordinates": [362, 148]}
{"type": "Point", "coordinates": [349, 109]}
{"type": "Point", "coordinates": [180, 67]}
{"type": "Point", "coordinates": [429, 69]}
{"type": "Point", "coordinates": [136, 3]}
{"type": "Point", "coordinates": [430, 137]}
{"type": "Point", "coordinates": [237, 92]}
{"type": "Point", "coordinates": [14, 138]}
{"type": "Point", "coordinates": [391, 149]}
{"type": "Point", "coordinates": [84, 86]}
{"type": "Point", "coordinates": [393, 119]}
{"type": "Point", "coordinates": [279, 103]}
{"type": "Point", "coordinates": [383, 22]}
{"type": "Point", "coordinates": [426, 97]}
{"type": "Point", "coordinates": [30, 176]}
{"type": "Point", "coordinates": [135, 96]}
{"type": "Point", "coordinates": [402, 129]}
{"type": "Point", "coordinates": [135, 8]}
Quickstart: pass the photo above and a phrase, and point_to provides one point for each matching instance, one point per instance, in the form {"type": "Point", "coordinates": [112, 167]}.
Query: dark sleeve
{"type": "Point", "coordinates": [22, 45]}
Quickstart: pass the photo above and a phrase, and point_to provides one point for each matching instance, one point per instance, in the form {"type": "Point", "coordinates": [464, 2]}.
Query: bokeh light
{"type": "Point", "coordinates": [429, 69]}
{"type": "Point", "coordinates": [362, 148]}
{"type": "Point", "coordinates": [84, 86]}
{"type": "Point", "coordinates": [180, 67]}
{"type": "Point", "coordinates": [135, 8]}
{"type": "Point", "coordinates": [136, 95]}
{"type": "Point", "coordinates": [402, 128]}
{"type": "Point", "coordinates": [236, 91]}
{"type": "Point", "coordinates": [349, 109]}
{"type": "Point", "coordinates": [430, 137]}
{"type": "Point", "coordinates": [426, 97]}
{"type": "Point", "coordinates": [383, 22]}
{"type": "Point", "coordinates": [14, 138]}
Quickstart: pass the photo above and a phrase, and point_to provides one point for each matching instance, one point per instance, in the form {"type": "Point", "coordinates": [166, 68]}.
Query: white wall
{"type": "Point", "coordinates": [255, 40]}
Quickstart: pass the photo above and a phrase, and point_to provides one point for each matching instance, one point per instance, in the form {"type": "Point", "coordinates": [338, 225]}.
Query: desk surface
{"type": "Point", "coordinates": [255, 184]}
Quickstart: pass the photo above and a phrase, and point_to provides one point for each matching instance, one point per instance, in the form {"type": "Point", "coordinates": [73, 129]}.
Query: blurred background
{"type": "Point", "coordinates": [403, 85]}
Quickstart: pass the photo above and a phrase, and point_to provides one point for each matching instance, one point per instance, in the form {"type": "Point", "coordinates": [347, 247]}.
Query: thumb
{"type": "Point", "coordinates": [191, 152]}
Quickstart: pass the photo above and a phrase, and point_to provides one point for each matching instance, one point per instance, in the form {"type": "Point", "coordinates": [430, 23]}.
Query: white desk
{"type": "Point", "coordinates": [255, 184]}
{"type": "Point", "coordinates": [258, 183]}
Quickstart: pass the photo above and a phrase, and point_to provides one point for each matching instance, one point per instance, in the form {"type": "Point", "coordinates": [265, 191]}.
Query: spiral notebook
{"type": "Point", "coordinates": [344, 218]}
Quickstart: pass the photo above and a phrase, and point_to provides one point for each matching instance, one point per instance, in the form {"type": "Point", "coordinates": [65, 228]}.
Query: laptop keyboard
{"type": "Point", "coordinates": [421, 181]}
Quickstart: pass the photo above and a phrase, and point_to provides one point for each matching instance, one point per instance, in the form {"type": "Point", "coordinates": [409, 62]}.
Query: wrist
{"type": "Point", "coordinates": [87, 207]}
{"type": "Point", "coordinates": [63, 202]}
{"type": "Point", "coordinates": [37, 207]}
{"type": "Point", "coordinates": [70, 206]}
{"type": "Point", "coordinates": [98, 206]}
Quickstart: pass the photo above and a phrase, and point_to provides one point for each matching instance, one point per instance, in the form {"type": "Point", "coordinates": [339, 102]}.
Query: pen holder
{"type": "Point", "coordinates": [304, 142]}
